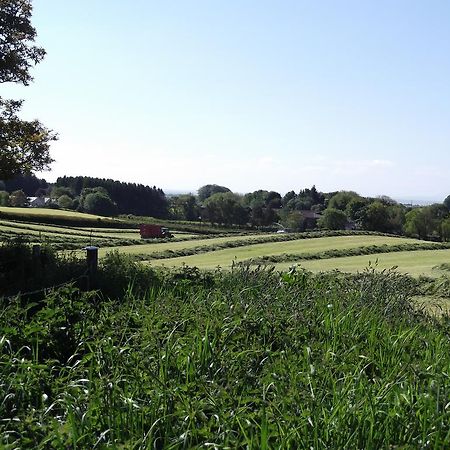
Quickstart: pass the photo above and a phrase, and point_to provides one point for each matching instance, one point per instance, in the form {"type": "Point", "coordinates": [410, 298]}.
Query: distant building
{"type": "Point", "coordinates": [310, 217]}
{"type": "Point", "coordinates": [38, 202]}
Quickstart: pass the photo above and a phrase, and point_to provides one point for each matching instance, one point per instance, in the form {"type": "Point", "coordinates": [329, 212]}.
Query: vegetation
{"type": "Point", "coordinates": [130, 198]}
{"type": "Point", "coordinates": [24, 145]}
{"type": "Point", "coordinates": [242, 359]}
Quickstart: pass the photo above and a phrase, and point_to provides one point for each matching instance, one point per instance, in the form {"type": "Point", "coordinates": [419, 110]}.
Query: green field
{"type": "Point", "coordinates": [224, 258]}
{"type": "Point", "coordinates": [244, 358]}
{"type": "Point", "coordinates": [155, 247]}
{"type": "Point", "coordinates": [45, 212]}
{"type": "Point", "coordinates": [210, 251]}
{"type": "Point", "coordinates": [415, 263]}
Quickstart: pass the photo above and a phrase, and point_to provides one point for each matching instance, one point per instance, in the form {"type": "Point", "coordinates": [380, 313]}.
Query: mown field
{"type": "Point", "coordinates": [314, 251]}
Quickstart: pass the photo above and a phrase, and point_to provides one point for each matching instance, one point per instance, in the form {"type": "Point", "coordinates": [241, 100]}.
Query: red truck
{"type": "Point", "coordinates": [149, 231]}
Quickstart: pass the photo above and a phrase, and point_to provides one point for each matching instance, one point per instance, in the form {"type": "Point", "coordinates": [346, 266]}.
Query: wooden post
{"type": "Point", "coordinates": [92, 263]}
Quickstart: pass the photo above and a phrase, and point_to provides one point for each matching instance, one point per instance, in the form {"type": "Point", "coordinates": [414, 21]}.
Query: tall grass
{"type": "Point", "coordinates": [245, 359]}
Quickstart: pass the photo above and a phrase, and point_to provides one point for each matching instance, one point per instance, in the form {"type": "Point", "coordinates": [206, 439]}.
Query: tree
{"type": "Point", "coordinates": [293, 220]}
{"type": "Point", "coordinates": [59, 191]}
{"type": "Point", "coordinates": [445, 230]}
{"type": "Point", "coordinates": [18, 198]}
{"type": "Point", "coordinates": [24, 146]}
{"type": "Point", "coordinates": [17, 53]}
{"type": "Point", "coordinates": [447, 202]}
{"type": "Point", "coordinates": [65, 202]}
{"type": "Point", "coordinates": [420, 222]}
{"type": "Point", "coordinates": [4, 198]}
{"type": "Point", "coordinates": [376, 217]}
{"type": "Point", "coordinates": [184, 207]}
{"type": "Point", "coordinates": [333, 219]}
{"type": "Point", "coordinates": [226, 208]}
{"type": "Point", "coordinates": [99, 203]}
{"type": "Point", "coordinates": [210, 189]}
{"type": "Point", "coordinates": [341, 199]}
{"type": "Point", "coordinates": [287, 198]}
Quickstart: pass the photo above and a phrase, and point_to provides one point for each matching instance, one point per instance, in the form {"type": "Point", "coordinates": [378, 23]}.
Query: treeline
{"type": "Point", "coordinates": [87, 194]}
{"type": "Point", "coordinates": [304, 210]}
{"type": "Point", "coordinates": [130, 198]}
{"type": "Point", "coordinates": [29, 184]}
{"type": "Point", "coordinates": [311, 209]}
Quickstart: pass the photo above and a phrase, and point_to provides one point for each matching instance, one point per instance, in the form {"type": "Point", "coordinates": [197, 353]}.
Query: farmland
{"type": "Point", "coordinates": [249, 356]}
{"type": "Point", "coordinates": [314, 251]}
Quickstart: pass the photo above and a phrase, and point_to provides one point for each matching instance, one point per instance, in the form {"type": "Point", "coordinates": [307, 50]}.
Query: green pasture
{"type": "Point", "coordinates": [174, 246]}
{"type": "Point", "coordinates": [225, 257]}
{"type": "Point", "coordinates": [415, 263]}
{"type": "Point", "coordinates": [46, 229]}
{"type": "Point", "coordinates": [21, 212]}
{"type": "Point", "coordinates": [37, 231]}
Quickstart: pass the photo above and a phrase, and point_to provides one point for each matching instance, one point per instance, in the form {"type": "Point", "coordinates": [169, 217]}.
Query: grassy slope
{"type": "Point", "coordinates": [415, 263]}
{"type": "Point", "coordinates": [224, 258]}
{"type": "Point", "coordinates": [45, 212]}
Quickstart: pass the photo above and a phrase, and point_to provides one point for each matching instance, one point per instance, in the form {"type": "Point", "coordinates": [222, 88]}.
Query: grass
{"type": "Point", "coordinates": [46, 212]}
{"type": "Point", "coordinates": [415, 263]}
{"type": "Point", "coordinates": [224, 258]}
{"type": "Point", "coordinates": [240, 359]}
{"type": "Point", "coordinates": [170, 245]}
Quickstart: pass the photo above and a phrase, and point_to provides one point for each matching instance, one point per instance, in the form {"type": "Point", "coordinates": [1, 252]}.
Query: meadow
{"type": "Point", "coordinates": [275, 350]}
{"type": "Point", "coordinates": [239, 359]}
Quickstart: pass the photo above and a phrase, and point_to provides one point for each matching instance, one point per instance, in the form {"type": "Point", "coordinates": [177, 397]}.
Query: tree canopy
{"type": "Point", "coordinates": [209, 189]}
{"type": "Point", "coordinates": [24, 145]}
{"type": "Point", "coordinates": [17, 52]}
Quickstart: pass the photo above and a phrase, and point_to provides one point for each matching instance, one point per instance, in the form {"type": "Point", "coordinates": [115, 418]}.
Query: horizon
{"type": "Point", "coordinates": [276, 97]}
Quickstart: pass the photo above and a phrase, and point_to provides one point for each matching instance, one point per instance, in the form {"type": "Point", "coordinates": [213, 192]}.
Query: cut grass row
{"type": "Point", "coordinates": [224, 257]}
{"type": "Point", "coordinates": [229, 247]}
{"type": "Point", "coordinates": [415, 263]}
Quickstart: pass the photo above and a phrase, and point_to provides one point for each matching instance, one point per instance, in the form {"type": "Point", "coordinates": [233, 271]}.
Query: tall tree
{"type": "Point", "coordinates": [210, 189]}
{"type": "Point", "coordinates": [24, 145]}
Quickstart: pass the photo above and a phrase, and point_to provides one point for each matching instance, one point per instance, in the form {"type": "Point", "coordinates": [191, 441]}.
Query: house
{"type": "Point", "coordinates": [310, 217]}
{"type": "Point", "coordinates": [38, 202]}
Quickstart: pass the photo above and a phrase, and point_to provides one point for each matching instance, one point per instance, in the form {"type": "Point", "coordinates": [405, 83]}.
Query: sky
{"type": "Point", "coordinates": [277, 95]}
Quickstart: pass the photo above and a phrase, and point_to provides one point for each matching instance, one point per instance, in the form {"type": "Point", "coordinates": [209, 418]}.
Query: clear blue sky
{"type": "Point", "coordinates": [248, 94]}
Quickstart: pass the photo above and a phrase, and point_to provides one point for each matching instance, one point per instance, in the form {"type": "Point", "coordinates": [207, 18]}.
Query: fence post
{"type": "Point", "coordinates": [92, 263]}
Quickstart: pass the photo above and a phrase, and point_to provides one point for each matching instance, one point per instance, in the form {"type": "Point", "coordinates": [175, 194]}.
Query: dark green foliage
{"type": "Point", "coordinates": [65, 202]}
{"type": "Point", "coordinates": [342, 199]}
{"type": "Point", "coordinates": [306, 199]}
{"type": "Point", "coordinates": [333, 219]}
{"type": "Point", "coordinates": [4, 198]}
{"type": "Point", "coordinates": [29, 184]}
{"type": "Point", "coordinates": [17, 52]}
{"type": "Point", "coordinates": [22, 271]}
{"type": "Point", "coordinates": [24, 145]}
{"type": "Point", "coordinates": [446, 202]}
{"type": "Point", "coordinates": [247, 359]}
{"type": "Point", "coordinates": [18, 198]}
{"type": "Point", "coordinates": [210, 189]}
{"type": "Point", "coordinates": [184, 207]}
{"type": "Point", "coordinates": [99, 203]}
{"type": "Point", "coordinates": [130, 198]}
{"type": "Point", "coordinates": [225, 208]}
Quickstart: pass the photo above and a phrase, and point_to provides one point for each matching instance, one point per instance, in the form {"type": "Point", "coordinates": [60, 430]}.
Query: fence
{"type": "Point", "coordinates": [36, 265]}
